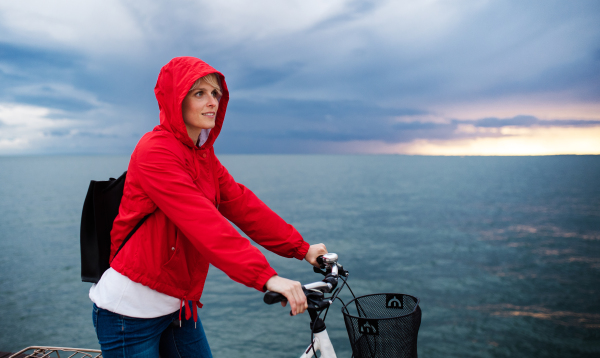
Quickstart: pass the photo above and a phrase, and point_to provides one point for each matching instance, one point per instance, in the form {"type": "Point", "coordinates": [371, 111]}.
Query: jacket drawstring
{"type": "Point", "coordinates": [188, 311]}
{"type": "Point", "coordinates": [180, 307]}
{"type": "Point", "coordinates": [195, 315]}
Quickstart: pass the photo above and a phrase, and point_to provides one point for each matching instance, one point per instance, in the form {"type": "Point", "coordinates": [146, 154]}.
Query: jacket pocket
{"type": "Point", "coordinates": [175, 269]}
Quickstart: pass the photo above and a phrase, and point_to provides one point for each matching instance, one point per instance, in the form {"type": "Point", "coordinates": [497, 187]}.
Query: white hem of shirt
{"type": "Point", "coordinates": [118, 294]}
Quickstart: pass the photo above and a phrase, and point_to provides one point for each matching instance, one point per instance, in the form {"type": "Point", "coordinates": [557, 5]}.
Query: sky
{"type": "Point", "coordinates": [419, 77]}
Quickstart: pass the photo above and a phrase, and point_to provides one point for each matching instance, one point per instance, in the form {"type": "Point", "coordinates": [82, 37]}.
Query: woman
{"type": "Point", "coordinates": [146, 303]}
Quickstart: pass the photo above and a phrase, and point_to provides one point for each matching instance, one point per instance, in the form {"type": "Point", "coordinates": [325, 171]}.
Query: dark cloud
{"type": "Point", "coordinates": [352, 11]}
{"type": "Point", "coordinates": [294, 121]}
{"type": "Point", "coordinates": [97, 135]}
{"type": "Point", "coordinates": [527, 121]}
{"type": "Point", "coordinates": [313, 120]}
{"type": "Point", "coordinates": [568, 123]}
{"type": "Point", "coordinates": [30, 75]}
{"type": "Point", "coordinates": [521, 121]}
{"type": "Point", "coordinates": [57, 133]}
{"type": "Point", "coordinates": [260, 77]}
{"type": "Point", "coordinates": [72, 105]}
{"type": "Point", "coordinates": [339, 122]}
{"type": "Point", "coordinates": [28, 58]}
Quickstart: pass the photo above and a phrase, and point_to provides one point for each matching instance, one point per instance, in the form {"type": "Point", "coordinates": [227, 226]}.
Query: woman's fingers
{"type": "Point", "coordinates": [292, 290]}
{"type": "Point", "coordinates": [315, 251]}
{"type": "Point", "coordinates": [296, 297]}
{"type": "Point", "coordinates": [300, 299]}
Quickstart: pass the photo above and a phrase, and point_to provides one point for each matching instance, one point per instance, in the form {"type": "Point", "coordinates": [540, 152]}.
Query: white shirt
{"type": "Point", "coordinates": [118, 294]}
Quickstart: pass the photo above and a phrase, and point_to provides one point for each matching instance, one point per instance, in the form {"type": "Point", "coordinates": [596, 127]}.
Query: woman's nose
{"type": "Point", "coordinates": [213, 102]}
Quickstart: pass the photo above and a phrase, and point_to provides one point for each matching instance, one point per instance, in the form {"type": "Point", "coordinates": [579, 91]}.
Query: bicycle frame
{"type": "Point", "coordinates": [322, 343]}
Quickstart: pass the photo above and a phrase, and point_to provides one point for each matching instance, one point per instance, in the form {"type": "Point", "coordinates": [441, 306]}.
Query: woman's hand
{"type": "Point", "coordinates": [292, 290]}
{"type": "Point", "coordinates": [315, 251]}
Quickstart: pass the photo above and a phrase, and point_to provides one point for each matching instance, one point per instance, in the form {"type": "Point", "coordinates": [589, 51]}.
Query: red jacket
{"type": "Point", "coordinates": [191, 196]}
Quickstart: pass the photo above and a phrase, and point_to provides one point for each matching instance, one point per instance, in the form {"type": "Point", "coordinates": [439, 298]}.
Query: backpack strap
{"type": "Point", "coordinates": [131, 234]}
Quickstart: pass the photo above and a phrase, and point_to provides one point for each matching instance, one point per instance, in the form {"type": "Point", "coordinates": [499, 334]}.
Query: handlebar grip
{"type": "Point", "coordinates": [273, 297]}
{"type": "Point", "coordinates": [320, 261]}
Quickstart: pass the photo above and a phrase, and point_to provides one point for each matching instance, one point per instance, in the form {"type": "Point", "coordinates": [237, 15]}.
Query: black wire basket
{"type": "Point", "coordinates": [383, 325]}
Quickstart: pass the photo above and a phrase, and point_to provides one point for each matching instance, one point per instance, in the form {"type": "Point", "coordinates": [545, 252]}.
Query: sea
{"type": "Point", "coordinates": [502, 252]}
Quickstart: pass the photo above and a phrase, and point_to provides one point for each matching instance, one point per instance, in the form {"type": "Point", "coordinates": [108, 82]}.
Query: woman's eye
{"type": "Point", "coordinates": [199, 93]}
{"type": "Point", "coordinates": [215, 94]}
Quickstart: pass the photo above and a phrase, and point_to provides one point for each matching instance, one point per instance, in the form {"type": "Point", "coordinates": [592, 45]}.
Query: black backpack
{"type": "Point", "coordinates": [100, 209]}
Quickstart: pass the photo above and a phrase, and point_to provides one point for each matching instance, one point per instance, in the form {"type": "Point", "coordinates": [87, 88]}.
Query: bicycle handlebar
{"type": "Point", "coordinates": [315, 290]}
{"type": "Point", "coordinates": [273, 297]}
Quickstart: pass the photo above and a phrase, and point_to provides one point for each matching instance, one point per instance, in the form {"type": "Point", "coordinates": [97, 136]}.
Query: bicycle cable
{"type": "Point", "coordinates": [312, 333]}
{"type": "Point", "coordinates": [346, 284]}
{"type": "Point", "coordinates": [332, 299]}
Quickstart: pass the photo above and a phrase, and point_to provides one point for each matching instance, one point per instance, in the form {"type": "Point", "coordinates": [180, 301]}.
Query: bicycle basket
{"type": "Point", "coordinates": [383, 325]}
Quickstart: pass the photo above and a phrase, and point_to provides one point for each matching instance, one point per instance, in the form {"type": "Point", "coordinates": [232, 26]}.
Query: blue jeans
{"type": "Point", "coordinates": [127, 337]}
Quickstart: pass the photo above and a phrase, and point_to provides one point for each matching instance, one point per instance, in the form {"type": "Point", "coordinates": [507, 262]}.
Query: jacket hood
{"type": "Point", "coordinates": [174, 81]}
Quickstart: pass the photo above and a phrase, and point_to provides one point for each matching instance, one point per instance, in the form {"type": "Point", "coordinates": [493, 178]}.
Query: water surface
{"type": "Point", "coordinates": [504, 252]}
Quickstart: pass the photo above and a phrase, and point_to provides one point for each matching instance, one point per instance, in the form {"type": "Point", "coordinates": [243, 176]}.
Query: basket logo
{"type": "Point", "coordinates": [368, 327]}
{"type": "Point", "coordinates": [394, 301]}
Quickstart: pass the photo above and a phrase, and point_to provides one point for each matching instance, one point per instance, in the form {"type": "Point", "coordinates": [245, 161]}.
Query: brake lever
{"type": "Point", "coordinates": [315, 300]}
{"type": "Point", "coordinates": [318, 270]}
{"type": "Point", "coordinates": [342, 272]}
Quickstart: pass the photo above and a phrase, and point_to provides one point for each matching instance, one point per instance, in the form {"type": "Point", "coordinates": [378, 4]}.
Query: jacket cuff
{"type": "Point", "coordinates": [262, 279]}
{"type": "Point", "coordinates": [302, 250]}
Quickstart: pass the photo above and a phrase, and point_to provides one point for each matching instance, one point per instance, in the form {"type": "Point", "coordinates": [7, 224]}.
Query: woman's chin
{"type": "Point", "coordinates": [206, 124]}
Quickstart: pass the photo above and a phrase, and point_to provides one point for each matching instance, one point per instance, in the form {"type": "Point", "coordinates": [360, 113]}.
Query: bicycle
{"type": "Point", "coordinates": [364, 327]}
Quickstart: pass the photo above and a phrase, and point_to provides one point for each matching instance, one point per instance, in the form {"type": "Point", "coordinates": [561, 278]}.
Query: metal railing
{"type": "Point", "coordinates": [55, 352]}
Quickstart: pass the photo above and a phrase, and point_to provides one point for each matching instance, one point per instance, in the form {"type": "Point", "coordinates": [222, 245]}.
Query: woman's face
{"type": "Point", "coordinates": [199, 109]}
